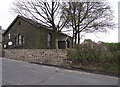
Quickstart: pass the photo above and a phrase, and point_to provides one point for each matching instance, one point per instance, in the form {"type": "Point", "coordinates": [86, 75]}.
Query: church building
{"type": "Point", "coordinates": [24, 33]}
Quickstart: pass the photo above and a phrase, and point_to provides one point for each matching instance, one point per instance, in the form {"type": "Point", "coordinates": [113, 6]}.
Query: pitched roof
{"type": "Point", "coordinates": [34, 23]}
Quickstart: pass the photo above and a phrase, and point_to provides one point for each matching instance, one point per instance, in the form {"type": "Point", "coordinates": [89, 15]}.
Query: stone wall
{"type": "Point", "coordinates": [45, 56]}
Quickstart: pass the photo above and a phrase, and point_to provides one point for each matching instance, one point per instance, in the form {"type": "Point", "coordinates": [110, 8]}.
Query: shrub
{"type": "Point", "coordinates": [93, 53]}
{"type": "Point", "coordinates": [115, 50]}
{"type": "Point", "coordinates": [102, 57]}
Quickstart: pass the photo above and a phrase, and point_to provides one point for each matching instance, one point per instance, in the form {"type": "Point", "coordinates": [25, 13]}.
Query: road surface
{"type": "Point", "coordinates": [22, 73]}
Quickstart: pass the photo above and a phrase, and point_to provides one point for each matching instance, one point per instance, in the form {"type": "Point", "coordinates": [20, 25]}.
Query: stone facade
{"type": "Point", "coordinates": [1, 39]}
{"type": "Point", "coordinates": [1, 31]}
{"type": "Point", "coordinates": [0, 42]}
{"type": "Point", "coordinates": [43, 56]}
{"type": "Point", "coordinates": [35, 35]}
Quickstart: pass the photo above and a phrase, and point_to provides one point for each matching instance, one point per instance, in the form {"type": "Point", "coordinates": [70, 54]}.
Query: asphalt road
{"type": "Point", "coordinates": [21, 73]}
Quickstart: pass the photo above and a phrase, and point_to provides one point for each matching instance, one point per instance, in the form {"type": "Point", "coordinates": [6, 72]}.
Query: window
{"type": "Point", "coordinates": [49, 40]}
{"type": "Point", "coordinates": [9, 35]}
{"type": "Point", "coordinates": [23, 40]}
{"type": "Point", "coordinates": [16, 41]}
{"type": "Point", "coordinates": [19, 39]}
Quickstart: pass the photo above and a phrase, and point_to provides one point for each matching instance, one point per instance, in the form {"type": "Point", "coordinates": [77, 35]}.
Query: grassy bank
{"type": "Point", "coordinates": [103, 58]}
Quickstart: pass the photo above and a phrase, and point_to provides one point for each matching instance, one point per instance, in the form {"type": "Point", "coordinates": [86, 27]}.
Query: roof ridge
{"type": "Point", "coordinates": [31, 21]}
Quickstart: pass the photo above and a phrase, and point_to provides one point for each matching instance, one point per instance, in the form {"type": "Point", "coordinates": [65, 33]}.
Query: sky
{"type": "Point", "coordinates": [112, 35]}
{"type": "Point", "coordinates": [6, 18]}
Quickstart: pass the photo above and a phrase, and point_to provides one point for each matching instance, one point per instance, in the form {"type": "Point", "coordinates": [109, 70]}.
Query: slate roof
{"type": "Point", "coordinates": [34, 23]}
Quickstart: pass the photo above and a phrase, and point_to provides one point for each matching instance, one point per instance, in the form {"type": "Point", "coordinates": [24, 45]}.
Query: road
{"type": "Point", "coordinates": [22, 73]}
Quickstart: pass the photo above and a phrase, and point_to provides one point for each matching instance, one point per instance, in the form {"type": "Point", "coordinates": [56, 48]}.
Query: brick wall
{"type": "Point", "coordinates": [46, 56]}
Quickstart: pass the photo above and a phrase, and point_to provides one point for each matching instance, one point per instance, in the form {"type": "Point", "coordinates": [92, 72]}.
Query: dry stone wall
{"type": "Point", "coordinates": [46, 56]}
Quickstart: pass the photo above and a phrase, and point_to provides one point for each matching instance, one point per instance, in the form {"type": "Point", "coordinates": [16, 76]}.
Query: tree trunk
{"type": "Point", "coordinates": [56, 43]}
{"type": "Point", "coordinates": [55, 37]}
{"type": "Point", "coordinates": [75, 38]}
{"type": "Point", "coordinates": [78, 38]}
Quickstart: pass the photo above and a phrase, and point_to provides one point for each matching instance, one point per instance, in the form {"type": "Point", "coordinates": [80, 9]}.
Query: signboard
{"type": "Point", "coordinates": [10, 43]}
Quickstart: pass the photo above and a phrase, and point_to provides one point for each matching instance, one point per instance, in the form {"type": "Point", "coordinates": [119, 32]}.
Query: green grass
{"type": "Point", "coordinates": [105, 61]}
{"type": "Point", "coordinates": [111, 69]}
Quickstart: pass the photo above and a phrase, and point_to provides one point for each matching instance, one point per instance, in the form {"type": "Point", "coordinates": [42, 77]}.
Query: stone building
{"type": "Point", "coordinates": [24, 33]}
{"type": "Point", "coordinates": [0, 37]}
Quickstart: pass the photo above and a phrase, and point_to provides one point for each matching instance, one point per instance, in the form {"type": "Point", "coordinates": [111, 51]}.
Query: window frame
{"type": "Point", "coordinates": [23, 39]}
{"type": "Point", "coordinates": [16, 41]}
{"type": "Point", "coordinates": [19, 39]}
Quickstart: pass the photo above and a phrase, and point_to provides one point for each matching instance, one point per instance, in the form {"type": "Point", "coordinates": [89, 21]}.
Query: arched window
{"type": "Point", "coordinates": [49, 40]}
{"type": "Point", "coordinates": [16, 41]}
{"type": "Point", "coordinates": [23, 40]}
{"type": "Point", "coordinates": [19, 39]}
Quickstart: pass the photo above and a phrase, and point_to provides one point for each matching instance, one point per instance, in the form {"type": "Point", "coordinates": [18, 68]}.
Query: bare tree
{"type": "Point", "coordinates": [88, 17]}
{"type": "Point", "coordinates": [44, 12]}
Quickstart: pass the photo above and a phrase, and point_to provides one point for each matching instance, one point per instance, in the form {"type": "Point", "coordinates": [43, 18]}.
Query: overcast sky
{"type": "Point", "coordinates": [6, 18]}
